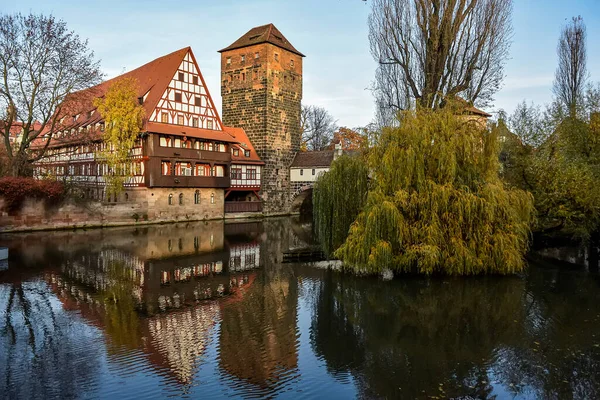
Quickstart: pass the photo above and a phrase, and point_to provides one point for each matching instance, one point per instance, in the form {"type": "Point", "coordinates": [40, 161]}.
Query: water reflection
{"type": "Point", "coordinates": [209, 309]}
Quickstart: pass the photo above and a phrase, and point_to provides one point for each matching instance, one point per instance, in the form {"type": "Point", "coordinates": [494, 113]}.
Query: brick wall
{"type": "Point", "coordinates": [263, 95]}
{"type": "Point", "coordinates": [132, 206]}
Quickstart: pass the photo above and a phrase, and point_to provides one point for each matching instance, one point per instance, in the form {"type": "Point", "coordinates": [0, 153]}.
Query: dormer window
{"type": "Point", "coordinates": [236, 152]}
{"type": "Point", "coordinates": [247, 153]}
{"type": "Point", "coordinates": [181, 76]}
{"type": "Point", "coordinates": [101, 126]}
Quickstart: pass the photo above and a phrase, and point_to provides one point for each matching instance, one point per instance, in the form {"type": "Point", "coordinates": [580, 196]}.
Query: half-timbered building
{"type": "Point", "coordinates": [182, 161]}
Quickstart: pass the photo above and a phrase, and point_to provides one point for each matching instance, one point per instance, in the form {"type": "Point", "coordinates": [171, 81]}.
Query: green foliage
{"type": "Point", "coordinates": [123, 117]}
{"type": "Point", "coordinates": [338, 197]}
{"type": "Point", "coordinates": [565, 172]}
{"type": "Point", "coordinates": [437, 204]}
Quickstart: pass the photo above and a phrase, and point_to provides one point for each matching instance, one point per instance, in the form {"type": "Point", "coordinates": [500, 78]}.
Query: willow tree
{"type": "Point", "coordinates": [338, 197]}
{"type": "Point", "coordinates": [123, 117]}
{"type": "Point", "coordinates": [437, 204]}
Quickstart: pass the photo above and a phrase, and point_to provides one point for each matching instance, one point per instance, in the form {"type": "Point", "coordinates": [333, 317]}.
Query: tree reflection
{"type": "Point", "coordinates": [419, 338]}
{"type": "Point", "coordinates": [258, 338]}
{"type": "Point", "coordinates": [44, 353]}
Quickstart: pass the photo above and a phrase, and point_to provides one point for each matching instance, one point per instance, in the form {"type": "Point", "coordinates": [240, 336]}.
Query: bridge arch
{"type": "Point", "coordinates": [302, 200]}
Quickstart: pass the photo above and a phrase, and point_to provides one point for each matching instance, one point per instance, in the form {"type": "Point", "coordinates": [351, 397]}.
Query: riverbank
{"type": "Point", "coordinates": [35, 215]}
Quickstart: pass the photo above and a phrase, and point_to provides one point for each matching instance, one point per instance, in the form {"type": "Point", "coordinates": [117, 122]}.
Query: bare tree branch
{"type": "Point", "coordinates": [430, 49]}
{"type": "Point", "coordinates": [41, 63]}
{"type": "Point", "coordinates": [571, 74]}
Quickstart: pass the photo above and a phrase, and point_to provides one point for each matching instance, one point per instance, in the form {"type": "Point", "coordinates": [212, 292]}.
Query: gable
{"type": "Point", "coordinates": [186, 101]}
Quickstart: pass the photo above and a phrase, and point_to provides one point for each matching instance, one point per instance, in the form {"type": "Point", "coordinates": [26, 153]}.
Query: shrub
{"type": "Point", "coordinates": [15, 190]}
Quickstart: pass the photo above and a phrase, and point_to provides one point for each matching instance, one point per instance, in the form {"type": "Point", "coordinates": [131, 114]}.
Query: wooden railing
{"type": "Point", "coordinates": [243, 206]}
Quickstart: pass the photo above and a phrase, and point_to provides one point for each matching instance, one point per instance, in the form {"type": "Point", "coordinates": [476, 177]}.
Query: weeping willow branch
{"type": "Point", "coordinates": [338, 197]}
{"type": "Point", "coordinates": [437, 204]}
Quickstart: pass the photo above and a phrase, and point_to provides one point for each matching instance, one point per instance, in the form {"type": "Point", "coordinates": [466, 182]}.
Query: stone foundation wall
{"type": "Point", "coordinates": [134, 206]}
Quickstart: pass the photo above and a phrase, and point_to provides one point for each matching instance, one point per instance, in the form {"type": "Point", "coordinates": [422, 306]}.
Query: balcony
{"type": "Point", "coordinates": [243, 206]}
{"type": "Point", "coordinates": [183, 153]}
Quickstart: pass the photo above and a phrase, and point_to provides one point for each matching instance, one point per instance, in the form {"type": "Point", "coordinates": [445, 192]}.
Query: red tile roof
{"type": "Point", "coordinates": [263, 34]}
{"type": "Point", "coordinates": [209, 134]}
{"type": "Point", "coordinates": [244, 144]}
{"type": "Point", "coordinates": [153, 79]}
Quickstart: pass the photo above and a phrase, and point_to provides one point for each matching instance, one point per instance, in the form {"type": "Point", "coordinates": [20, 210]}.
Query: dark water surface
{"type": "Point", "coordinates": [207, 310]}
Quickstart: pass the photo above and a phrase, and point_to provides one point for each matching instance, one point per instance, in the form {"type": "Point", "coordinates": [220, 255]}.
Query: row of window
{"type": "Point", "coordinates": [236, 152]}
{"type": "Point", "coordinates": [197, 99]}
{"type": "Point", "coordinates": [236, 173]}
{"type": "Point", "coordinates": [313, 171]}
{"type": "Point", "coordinates": [128, 169]}
{"type": "Point", "coordinates": [169, 168]}
{"type": "Point", "coordinates": [181, 78]}
{"type": "Point", "coordinates": [197, 198]}
{"type": "Point", "coordinates": [164, 118]}
{"type": "Point", "coordinates": [167, 141]}
{"type": "Point", "coordinates": [256, 57]}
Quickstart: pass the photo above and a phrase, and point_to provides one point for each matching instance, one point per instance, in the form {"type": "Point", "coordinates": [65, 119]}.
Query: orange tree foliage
{"type": "Point", "coordinates": [349, 138]}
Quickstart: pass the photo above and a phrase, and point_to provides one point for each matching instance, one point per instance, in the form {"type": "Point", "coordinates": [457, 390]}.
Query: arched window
{"type": "Point", "coordinates": [212, 198]}
{"type": "Point", "coordinates": [171, 199]}
{"type": "Point", "coordinates": [180, 199]}
{"type": "Point", "coordinates": [197, 197]}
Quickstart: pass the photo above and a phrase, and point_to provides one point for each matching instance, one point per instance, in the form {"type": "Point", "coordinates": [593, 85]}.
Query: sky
{"type": "Point", "coordinates": [333, 34]}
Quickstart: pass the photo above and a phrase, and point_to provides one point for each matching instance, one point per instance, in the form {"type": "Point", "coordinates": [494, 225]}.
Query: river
{"type": "Point", "coordinates": [209, 310]}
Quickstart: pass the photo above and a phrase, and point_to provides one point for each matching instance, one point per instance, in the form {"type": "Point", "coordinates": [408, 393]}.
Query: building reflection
{"type": "Point", "coordinates": [159, 290]}
{"type": "Point", "coordinates": [259, 337]}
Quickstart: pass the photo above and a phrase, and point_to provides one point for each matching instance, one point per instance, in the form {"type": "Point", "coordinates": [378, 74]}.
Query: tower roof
{"type": "Point", "coordinates": [263, 34]}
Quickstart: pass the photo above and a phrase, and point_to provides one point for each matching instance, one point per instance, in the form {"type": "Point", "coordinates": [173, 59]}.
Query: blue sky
{"type": "Point", "coordinates": [332, 34]}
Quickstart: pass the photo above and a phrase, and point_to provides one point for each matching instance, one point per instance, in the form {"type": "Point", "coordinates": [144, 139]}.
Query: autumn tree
{"type": "Point", "coordinates": [41, 63]}
{"type": "Point", "coordinates": [318, 126]}
{"type": "Point", "coordinates": [123, 117]}
{"type": "Point", "coordinates": [428, 50]}
{"type": "Point", "coordinates": [571, 73]}
{"type": "Point", "coordinates": [349, 139]}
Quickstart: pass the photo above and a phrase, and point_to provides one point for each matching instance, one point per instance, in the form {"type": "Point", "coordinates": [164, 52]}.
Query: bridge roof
{"type": "Point", "coordinates": [313, 159]}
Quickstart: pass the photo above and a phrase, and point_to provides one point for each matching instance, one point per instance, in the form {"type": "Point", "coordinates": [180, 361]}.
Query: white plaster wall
{"type": "Point", "coordinates": [307, 175]}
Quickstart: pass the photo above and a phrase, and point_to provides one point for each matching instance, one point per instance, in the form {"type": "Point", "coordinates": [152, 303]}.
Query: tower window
{"type": "Point", "coordinates": [243, 58]}
{"type": "Point", "coordinates": [228, 60]}
{"type": "Point", "coordinates": [181, 77]}
{"type": "Point", "coordinates": [292, 63]}
{"type": "Point", "coordinates": [276, 57]}
{"type": "Point", "coordinates": [195, 80]}
{"type": "Point", "coordinates": [178, 97]}
{"type": "Point", "coordinates": [243, 76]}
{"type": "Point", "coordinates": [198, 101]}
{"type": "Point", "coordinates": [256, 55]}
